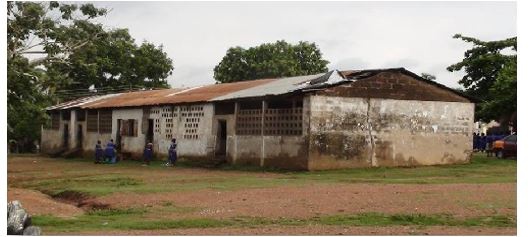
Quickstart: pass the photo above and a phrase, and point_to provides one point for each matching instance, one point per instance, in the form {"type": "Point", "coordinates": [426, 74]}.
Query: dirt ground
{"type": "Point", "coordinates": [320, 230]}
{"type": "Point", "coordinates": [328, 199]}
{"type": "Point", "coordinates": [303, 201]}
{"type": "Point", "coordinates": [37, 203]}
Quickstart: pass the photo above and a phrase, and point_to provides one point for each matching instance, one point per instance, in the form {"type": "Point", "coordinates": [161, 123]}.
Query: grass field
{"type": "Point", "coordinates": [126, 197]}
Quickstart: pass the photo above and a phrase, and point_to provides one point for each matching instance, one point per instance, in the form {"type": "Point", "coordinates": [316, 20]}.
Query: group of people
{"type": "Point", "coordinates": [108, 155]}
{"type": "Point", "coordinates": [483, 142]}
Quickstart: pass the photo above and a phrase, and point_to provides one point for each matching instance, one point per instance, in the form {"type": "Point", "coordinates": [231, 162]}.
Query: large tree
{"type": "Point", "coordinates": [271, 60]}
{"type": "Point", "coordinates": [55, 47]}
{"type": "Point", "coordinates": [490, 76]}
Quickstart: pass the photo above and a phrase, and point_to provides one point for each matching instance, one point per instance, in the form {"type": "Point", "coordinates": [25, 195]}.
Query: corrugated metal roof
{"type": "Point", "coordinates": [80, 102]}
{"type": "Point", "coordinates": [275, 87]}
{"type": "Point", "coordinates": [226, 91]}
{"type": "Point", "coordinates": [174, 96]}
{"type": "Point", "coordinates": [137, 98]}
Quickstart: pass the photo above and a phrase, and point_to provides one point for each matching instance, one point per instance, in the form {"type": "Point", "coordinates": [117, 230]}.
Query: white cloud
{"type": "Point", "coordinates": [351, 35]}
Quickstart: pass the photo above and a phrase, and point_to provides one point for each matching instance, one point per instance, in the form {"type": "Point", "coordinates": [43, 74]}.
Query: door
{"type": "Point", "coordinates": [118, 140]}
{"type": "Point", "coordinates": [222, 139]}
{"type": "Point", "coordinates": [149, 134]}
{"type": "Point", "coordinates": [80, 136]}
{"type": "Point", "coordinates": [66, 134]}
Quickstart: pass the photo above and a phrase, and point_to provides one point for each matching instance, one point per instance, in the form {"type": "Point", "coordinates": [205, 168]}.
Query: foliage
{"type": "Point", "coordinates": [54, 47]}
{"type": "Point", "coordinates": [428, 77]}
{"type": "Point", "coordinates": [271, 60]}
{"type": "Point", "coordinates": [483, 65]}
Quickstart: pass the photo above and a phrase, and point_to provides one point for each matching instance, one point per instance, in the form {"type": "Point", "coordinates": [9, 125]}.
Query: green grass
{"type": "Point", "coordinates": [97, 180]}
{"type": "Point", "coordinates": [132, 220]}
{"type": "Point", "coordinates": [482, 169]}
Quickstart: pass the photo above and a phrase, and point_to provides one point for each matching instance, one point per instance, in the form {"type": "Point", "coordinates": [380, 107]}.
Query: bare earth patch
{"type": "Point", "coordinates": [320, 230]}
{"type": "Point", "coordinates": [304, 200]}
{"type": "Point", "coordinates": [465, 200]}
{"type": "Point", "coordinates": [37, 203]}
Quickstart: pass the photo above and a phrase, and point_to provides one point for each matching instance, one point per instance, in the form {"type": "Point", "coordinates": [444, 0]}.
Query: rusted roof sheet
{"type": "Point", "coordinates": [80, 102]}
{"type": "Point", "coordinates": [286, 85]}
{"type": "Point", "coordinates": [136, 98]}
{"type": "Point", "coordinates": [227, 91]}
{"type": "Point", "coordinates": [174, 96]}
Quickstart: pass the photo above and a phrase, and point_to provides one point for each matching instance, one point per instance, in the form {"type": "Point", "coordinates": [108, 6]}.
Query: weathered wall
{"type": "Point", "coordinates": [51, 140]}
{"type": "Point", "coordinates": [364, 132]}
{"type": "Point", "coordinates": [279, 151]}
{"type": "Point", "coordinates": [134, 145]}
{"type": "Point", "coordinates": [393, 85]}
{"type": "Point", "coordinates": [190, 125]}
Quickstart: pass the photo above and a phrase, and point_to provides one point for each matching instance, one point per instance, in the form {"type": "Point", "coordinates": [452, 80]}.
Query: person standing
{"type": "Point", "coordinates": [172, 153]}
{"type": "Point", "coordinates": [98, 153]}
{"type": "Point", "coordinates": [475, 141]}
{"type": "Point", "coordinates": [148, 153]}
{"type": "Point", "coordinates": [110, 152]}
{"type": "Point", "coordinates": [482, 142]}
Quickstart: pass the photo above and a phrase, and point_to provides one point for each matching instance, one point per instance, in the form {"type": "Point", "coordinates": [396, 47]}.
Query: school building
{"type": "Point", "coordinates": [333, 120]}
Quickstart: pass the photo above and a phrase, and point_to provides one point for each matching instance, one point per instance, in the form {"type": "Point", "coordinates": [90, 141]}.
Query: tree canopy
{"type": "Point", "coordinates": [490, 75]}
{"type": "Point", "coordinates": [428, 76]}
{"type": "Point", "coordinates": [270, 60]}
{"type": "Point", "coordinates": [57, 51]}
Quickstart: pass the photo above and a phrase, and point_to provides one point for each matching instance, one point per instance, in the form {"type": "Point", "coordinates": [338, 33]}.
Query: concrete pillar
{"type": "Point", "coordinates": [263, 151]}
{"type": "Point", "coordinates": [72, 130]}
{"type": "Point", "coordinates": [235, 147]}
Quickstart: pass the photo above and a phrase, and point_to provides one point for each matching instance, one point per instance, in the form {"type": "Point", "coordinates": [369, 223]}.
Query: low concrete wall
{"type": "Point", "coordinates": [360, 132]}
{"type": "Point", "coordinates": [51, 141]}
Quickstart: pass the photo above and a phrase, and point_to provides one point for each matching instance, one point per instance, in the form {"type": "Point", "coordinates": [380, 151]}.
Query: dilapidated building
{"type": "Point", "coordinates": [334, 120]}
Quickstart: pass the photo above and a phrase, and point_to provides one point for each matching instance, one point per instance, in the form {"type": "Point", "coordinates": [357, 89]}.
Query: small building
{"type": "Point", "coordinates": [334, 120]}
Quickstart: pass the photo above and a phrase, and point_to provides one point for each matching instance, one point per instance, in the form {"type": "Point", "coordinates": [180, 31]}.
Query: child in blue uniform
{"type": "Point", "coordinates": [98, 153]}
{"type": "Point", "coordinates": [172, 153]}
{"type": "Point", "coordinates": [110, 153]}
{"type": "Point", "coordinates": [148, 153]}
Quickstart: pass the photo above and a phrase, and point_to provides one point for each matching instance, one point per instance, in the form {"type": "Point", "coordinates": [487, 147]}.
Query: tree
{"type": "Point", "coordinates": [428, 77]}
{"type": "Point", "coordinates": [490, 76]}
{"type": "Point", "coordinates": [271, 60]}
{"type": "Point", "coordinates": [54, 47]}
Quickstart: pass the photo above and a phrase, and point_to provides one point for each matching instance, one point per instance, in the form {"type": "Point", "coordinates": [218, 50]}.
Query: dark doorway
{"type": "Point", "coordinates": [80, 136]}
{"type": "Point", "coordinates": [149, 135]}
{"type": "Point", "coordinates": [222, 139]}
{"type": "Point", "coordinates": [118, 140]}
{"type": "Point", "coordinates": [66, 135]}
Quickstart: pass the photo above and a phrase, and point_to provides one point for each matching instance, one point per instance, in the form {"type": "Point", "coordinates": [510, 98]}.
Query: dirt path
{"type": "Point", "coordinates": [465, 200]}
{"type": "Point", "coordinates": [321, 230]}
{"type": "Point", "coordinates": [37, 203]}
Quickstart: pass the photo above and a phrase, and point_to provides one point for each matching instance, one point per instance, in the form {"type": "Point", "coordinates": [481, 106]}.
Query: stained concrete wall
{"type": "Point", "coordinates": [287, 152]}
{"type": "Point", "coordinates": [134, 145]}
{"type": "Point", "coordinates": [194, 148]}
{"type": "Point", "coordinates": [364, 132]}
{"type": "Point", "coordinates": [52, 141]}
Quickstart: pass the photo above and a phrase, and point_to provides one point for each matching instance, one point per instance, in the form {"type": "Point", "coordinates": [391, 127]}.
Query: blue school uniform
{"type": "Point", "coordinates": [172, 153]}
{"type": "Point", "coordinates": [110, 153]}
{"type": "Point", "coordinates": [98, 153]}
{"type": "Point", "coordinates": [148, 153]}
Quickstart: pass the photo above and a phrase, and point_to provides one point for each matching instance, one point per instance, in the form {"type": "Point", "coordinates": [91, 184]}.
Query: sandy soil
{"type": "Point", "coordinates": [317, 199]}
{"type": "Point", "coordinates": [465, 200]}
{"type": "Point", "coordinates": [37, 203]}
{"type": "Point", "coordinates": [321, 230]}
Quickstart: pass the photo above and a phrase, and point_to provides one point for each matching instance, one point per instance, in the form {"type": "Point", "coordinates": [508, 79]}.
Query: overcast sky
{"type": "Point", "coordinates": [351, 35]}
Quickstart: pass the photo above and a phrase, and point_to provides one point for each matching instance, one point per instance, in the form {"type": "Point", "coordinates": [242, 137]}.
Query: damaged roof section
{"type": "Point", "coordinates": [235, 90]}
{"type": "Point", "coordinates": [77, 103]}
{"type": "Point", "coordinates": [131, 99]}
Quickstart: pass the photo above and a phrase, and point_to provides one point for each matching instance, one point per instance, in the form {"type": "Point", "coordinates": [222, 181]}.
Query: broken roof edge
{"type": "Point", "coordinates": [79, 102]}
{"type": "Point", "coordinates": [417, 77]}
